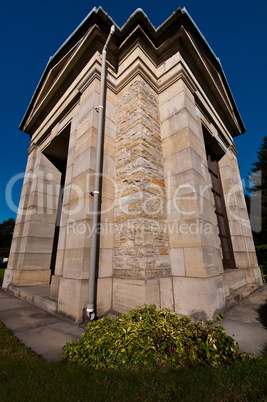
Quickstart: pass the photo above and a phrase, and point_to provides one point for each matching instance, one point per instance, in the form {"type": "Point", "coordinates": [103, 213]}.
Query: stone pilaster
{"type": "Point", "coordinates": [77, 206]}
{"type": "Point", "coordinates": [195, 253]}
{"type": "Point", "coordinates": [72, 267]}
{"type": "Point", "coordinates": [55, 280]}
{"type": "Point", "coordinates": [34, 232]}
{"type": "Point", "coordinates": [239, 224]}
{"type": "Point", "coordinates": [141, 241]}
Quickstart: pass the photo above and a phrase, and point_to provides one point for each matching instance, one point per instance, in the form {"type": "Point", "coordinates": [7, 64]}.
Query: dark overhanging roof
{"type": "Point", "coordinates": [155, 34]}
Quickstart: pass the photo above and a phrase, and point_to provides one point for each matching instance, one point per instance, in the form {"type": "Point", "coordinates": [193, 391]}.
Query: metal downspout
{"type": "Point", "coordinates": [90, 310]}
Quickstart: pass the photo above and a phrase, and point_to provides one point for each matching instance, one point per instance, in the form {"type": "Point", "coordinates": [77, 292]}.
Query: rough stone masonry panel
{"type": "Point", "coordinates": [140, 190]}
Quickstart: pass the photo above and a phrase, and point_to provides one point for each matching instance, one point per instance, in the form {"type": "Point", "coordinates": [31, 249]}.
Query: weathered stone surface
{"type": "Point", "coordinates": [140, 206]}
{"type": "Point", "coordinates": [201, 298]}
{"type": "Point", "coordinates": [104, 295]}
{"type": "Point", "coordinates": [166, 293]}
{"type": "Point", "coordinates": [73, 305]}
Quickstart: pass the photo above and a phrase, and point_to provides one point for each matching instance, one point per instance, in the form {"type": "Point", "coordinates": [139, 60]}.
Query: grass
{"type": "Point", "coordinates": [24, 376]}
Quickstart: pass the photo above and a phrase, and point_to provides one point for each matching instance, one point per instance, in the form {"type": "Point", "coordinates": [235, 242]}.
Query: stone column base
{"type": "Point", "coordinates": [129, 293]}
{"type": "Point", "coordinates": [202, 298]}
{"type": "Point", "coordinates": [26, 277]}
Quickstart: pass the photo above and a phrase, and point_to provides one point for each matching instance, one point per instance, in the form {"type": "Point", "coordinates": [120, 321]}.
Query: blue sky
{"type": "Point", "coordinates": [32, 31]}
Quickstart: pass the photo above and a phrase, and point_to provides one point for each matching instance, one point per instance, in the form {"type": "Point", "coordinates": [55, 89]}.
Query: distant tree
{"type": "Point", "coordinates": [6, 234]}
{"type": "Point", "coordinates": [257, 206]}
{"type": "Point", "coordinates": [257, 198]}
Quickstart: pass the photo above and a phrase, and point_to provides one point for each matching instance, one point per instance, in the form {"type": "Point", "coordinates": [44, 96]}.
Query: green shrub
{"type": "Point", "coordinates": [262, 260]}
{"type": "Point", "coordinates": [262, 254]}
{"type": "Point", "coordinates": [2, 273]}
{"type": "Point", "coordinates": [147, 337]}
{"type": "Point", "coordinates": [263, 273]}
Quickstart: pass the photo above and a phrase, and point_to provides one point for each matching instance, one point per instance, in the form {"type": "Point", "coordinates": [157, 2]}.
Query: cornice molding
{"type": "Point", "coordinates": [232, 148]}
{"type": "Point", "coordinates": [160, 44]}
{"type": "Point", "coordinates": [152, 61]}
{"type": "Point", "coordinates": [33, 147]}
{"type": "Point", "coordinates": [208, 121]}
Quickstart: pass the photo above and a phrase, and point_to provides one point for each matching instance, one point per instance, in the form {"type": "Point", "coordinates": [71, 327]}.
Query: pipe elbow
{"type": "Point", "coordinates": [90, 314]}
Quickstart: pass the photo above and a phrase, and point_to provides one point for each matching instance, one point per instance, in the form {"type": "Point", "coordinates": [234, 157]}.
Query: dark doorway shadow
{"type": "Point", "coordinates": [262, 311]}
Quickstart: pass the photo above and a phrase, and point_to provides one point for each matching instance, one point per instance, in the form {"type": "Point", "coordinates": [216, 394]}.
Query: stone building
{"type": "Point", "coordinates": [173, 228]}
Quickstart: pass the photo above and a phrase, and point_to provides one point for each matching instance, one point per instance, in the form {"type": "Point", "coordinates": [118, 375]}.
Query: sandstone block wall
{"type": "Point", "coordinates": [141, 240]}
{"type": "Point", "coordinates": [30, 254]}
